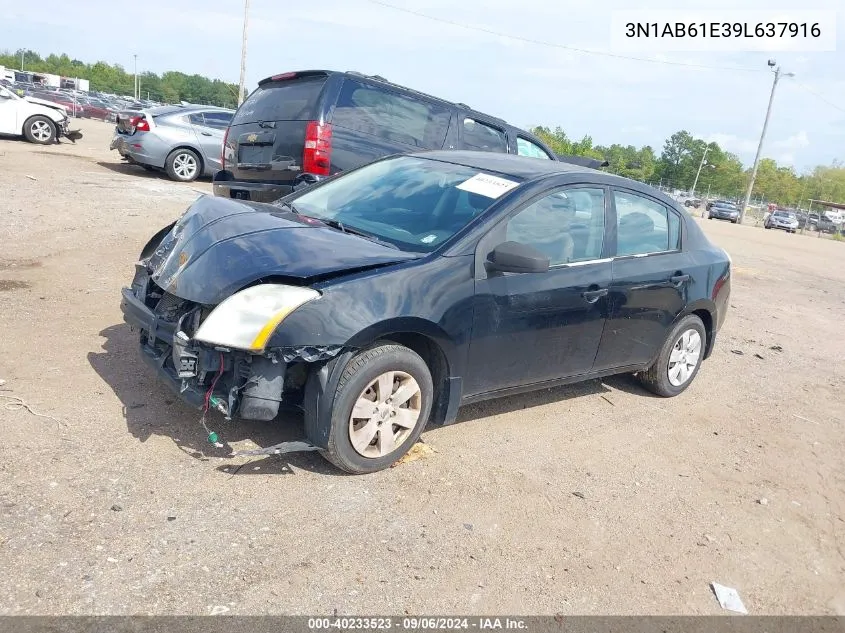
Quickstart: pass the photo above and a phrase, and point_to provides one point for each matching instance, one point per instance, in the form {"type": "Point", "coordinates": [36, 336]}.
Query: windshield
{"type": "Point", "coordinates": [725, 205]}
{"type": "Point", "coordinates": [413, 203]}
{"type": "Point", "coordinates": [784, 214]}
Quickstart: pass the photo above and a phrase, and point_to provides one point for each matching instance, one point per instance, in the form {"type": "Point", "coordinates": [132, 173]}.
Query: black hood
{"type": "Point", "coordinates": [220, 246]}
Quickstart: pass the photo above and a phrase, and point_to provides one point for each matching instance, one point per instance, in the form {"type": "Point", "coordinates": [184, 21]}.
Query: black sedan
{"type": "Point", "coordinates": [724, 211]}
{"type": "Point", "coordinates": [382, 299]}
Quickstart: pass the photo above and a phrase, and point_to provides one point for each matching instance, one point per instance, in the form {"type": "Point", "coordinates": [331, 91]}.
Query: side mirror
{"type": "Point", "coordinates": [513, 257]}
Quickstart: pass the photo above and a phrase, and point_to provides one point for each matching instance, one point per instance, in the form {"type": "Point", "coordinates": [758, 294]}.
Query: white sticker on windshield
{"type": "Point", "coordinates": [428, 239]}
{"type": "Point", "coordinates": [487, 185]}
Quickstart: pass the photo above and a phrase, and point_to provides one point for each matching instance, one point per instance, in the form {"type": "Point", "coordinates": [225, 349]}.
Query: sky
{"type": "Point", "coordinates": [612, 99]}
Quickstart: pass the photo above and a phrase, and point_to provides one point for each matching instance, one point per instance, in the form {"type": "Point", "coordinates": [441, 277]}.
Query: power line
{"type": "Point", "coordinates": [813, 92]}
{"type": "Point", "coordinates": [574, 49]}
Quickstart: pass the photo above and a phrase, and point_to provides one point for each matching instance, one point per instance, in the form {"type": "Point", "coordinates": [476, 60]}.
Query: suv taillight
{"type": "Point", "coordinates": [140, 124]}
{"type": "Point", "coordinates": [316, 159]}
{"type": "Point", "coordinates": [223, 150]}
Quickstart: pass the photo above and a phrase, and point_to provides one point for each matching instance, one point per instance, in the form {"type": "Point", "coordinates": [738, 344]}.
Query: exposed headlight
{"type": "Point", "coordinates": [248, 318]}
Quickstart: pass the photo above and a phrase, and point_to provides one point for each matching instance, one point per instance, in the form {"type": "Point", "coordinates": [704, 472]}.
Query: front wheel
{"type": "Point", "coordinates": [40, 130]}
{"type": "Point", "coordinates": [182, 165]}
{"type": "Point", "coordinates": [381, 405]}
{"type": "Point", "coordinates": [679, 359]}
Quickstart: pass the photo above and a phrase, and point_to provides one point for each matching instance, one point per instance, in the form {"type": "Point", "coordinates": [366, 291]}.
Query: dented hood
{"type": "Point", "coordinates": [220, 246]}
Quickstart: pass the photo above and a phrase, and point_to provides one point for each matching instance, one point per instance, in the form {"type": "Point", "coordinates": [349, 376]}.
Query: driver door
{"type": "Point", "coordinates": [535, 327]}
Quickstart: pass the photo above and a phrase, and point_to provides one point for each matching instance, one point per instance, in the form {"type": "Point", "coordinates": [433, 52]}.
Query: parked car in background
{"type": "Point", "coordinates": [38, 121]}
{"type": "Point", "coordinates": [826, 224]}
{"type": "Point", "coordinates": [692, 202]}
{"type": "Point", "coordinates": [382, 300]}
{"type": "Point", "coordinates": [185, 141]}
{"type": "Point", "coordinates": [721, 210]}
{"type": "Point", "coordinates": [74, 108]}
{"type": "Point", "coordinates": [780, 219]}
{"type": "Point", "coordinates": [297, 128]}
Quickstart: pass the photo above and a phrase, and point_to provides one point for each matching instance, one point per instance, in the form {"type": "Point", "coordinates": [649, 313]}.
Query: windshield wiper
{"type": "Point", "coordinates": [336, 224]}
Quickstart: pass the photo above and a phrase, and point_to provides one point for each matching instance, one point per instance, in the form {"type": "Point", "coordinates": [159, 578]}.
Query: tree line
{"type": "Point", "coordinates": [723, 174]}
{"type": "Point", "coordinates": [170, 87]}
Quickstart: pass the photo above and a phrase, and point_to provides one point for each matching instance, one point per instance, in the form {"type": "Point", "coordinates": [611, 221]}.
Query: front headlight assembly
{"type": "Point", "coordinates": [248, 318]}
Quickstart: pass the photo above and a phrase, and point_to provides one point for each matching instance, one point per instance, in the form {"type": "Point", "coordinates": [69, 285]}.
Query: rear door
{"type": "Point", "coordinates": [266, 139]}
{"type": "Point", "coordinates": [209, 128]}
{"type": "Point", "coordinates": [651, 279]}
{"type": "Point", "coordinates": [481, 135]}
{"type": "Point", "coordinates": [371, 121]}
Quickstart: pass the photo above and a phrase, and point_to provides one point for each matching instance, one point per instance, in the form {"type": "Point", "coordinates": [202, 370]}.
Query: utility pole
{"type": "Point", "coordinates": [135, 91]}
{"type": "Point", "coordinates": [698, 173]}
{"type": "Point", "coordinates": [772, 64]}
{"type": "Point", "coordinates": [242, 83]}
{"type": "Point", "coordinates": [22, 54]}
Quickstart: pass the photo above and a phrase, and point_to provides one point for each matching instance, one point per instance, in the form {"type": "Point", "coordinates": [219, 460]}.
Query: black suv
{"type": "Point", "coordinates": [299, 127]}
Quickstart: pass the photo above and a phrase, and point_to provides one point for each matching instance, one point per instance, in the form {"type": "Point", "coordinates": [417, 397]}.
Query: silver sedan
{"type": "Point", "coordinates": [185, 141]}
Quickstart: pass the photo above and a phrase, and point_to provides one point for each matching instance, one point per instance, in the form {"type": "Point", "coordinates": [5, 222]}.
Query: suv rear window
{"type": "Point", "coordinates": [390, 115]}
{"type": "Point", "coordinates": [288, 100]}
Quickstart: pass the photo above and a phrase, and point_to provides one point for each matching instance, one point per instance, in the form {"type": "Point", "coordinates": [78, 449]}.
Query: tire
{"type": "Point", "coordinates": [178, 162]}
{"type": "Point", "coordinates": [657, 378]}
{"type": "Point", "coordinates": [734, 221]}
{"type": "Point", "coordinates": [40, 130]}
{"type": "Point", "coordinates": [360, 382]}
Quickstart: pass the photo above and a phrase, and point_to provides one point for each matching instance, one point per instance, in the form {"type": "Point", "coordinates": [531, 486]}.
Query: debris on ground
{"type": "Point", "coordinates": [606, 399]}
{"type": "Point", "coordinates": [759, 356]}
{"type": "Point", "coordinates": [31, 177]}
{"type": "Point", "coordinates": [776, 348]}
{"type": "Point", "coordinates": [580, 495]}
{"type": "Point", "coordinates": [418, 451]}
{"type": "Point", "coordinates": [116, 508]}
{"type": "Point", "coordinates": [738, 352]}
{"type": "Point", "coordinates": [763, 501]}
{"type": "Point", "coordinates": [728, 598]}
{"type": "Point", "coordinates": [16, 403]}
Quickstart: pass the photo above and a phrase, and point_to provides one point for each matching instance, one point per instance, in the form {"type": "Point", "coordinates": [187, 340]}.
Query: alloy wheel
{"type": "Point", "coordinates": [185, 166]}
{"type": "Point", "coordinates": [41, 130]}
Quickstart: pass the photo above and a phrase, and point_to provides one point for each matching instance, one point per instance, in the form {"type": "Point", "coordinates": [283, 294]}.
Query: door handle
{"type": "Point", "coordinates": [679, 278]}
{"type": "Point", "coordinates": [591, 296]}
{"type": "Point", "coordinates": [206, 134]}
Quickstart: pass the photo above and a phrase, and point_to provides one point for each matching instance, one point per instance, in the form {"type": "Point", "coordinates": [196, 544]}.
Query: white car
{"type": "Point", "coordinates": [37, 120]}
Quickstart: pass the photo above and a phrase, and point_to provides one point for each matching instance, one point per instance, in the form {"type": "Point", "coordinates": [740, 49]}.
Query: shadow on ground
{"type": "Point", "coordinates": [130, 169]}
{"type": "Point", "coordinates": [150, 408]}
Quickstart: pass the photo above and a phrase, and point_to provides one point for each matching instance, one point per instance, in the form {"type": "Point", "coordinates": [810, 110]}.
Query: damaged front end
{"type": "Point", "coordinates": [243, 383]}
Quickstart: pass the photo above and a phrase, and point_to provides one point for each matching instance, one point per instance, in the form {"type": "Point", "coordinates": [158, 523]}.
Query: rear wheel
{"type": "Point", "coordinates": [381, 405]}
{"type": "Point", "coordinates": [39, 129]}
{"type": "Point", "coordinates": [679, 360]}
{"type": "Point", "coordinates": [183, 165]}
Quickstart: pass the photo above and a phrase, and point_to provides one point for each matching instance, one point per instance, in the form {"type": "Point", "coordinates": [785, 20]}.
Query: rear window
{"type": "Point", "coordinates": [288, 100]}
{"type": "Point", "coordinates": [391, 116]}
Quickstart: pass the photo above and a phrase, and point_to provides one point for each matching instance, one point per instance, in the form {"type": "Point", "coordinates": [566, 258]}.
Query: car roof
{"type": "Point", "coordinates": [519, 166]}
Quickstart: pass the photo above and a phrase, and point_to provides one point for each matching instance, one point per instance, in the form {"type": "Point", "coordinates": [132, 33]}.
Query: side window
{"type": "Point", "coordinates": [391, 116]}
{"type": "Point", "coordinates": [481, 137]}
{"type": "Point", "coordinates": [219, 120]}
{"type": "Point", "coordinates": [568, 225]}
{"type": "Point", "coordinates": [197, 119]}
{"type": "Point", "coordinates": [524, 147]}
{"type": "Point", "coordinates": [644, 226]}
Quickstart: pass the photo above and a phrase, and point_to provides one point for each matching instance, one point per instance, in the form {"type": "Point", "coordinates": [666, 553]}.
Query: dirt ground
{"type": "Point", "coordinates": [122, 507]}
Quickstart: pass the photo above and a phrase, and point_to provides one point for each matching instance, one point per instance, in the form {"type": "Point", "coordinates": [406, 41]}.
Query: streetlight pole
{"type": "Point", "coordinates": [242, 83]}
{"type": "Point", "coordinates": [698, 173]}
{"type": "Point", "coordinates": [135, 91]}
{"type": "Point", "coordinates": [777, 71]}
{"type": "Point", "coordinates": [22, 54]}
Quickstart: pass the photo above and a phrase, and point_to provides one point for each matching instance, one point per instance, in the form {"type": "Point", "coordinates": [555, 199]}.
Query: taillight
{"type": "Point", "coordinates": [223, 150]}
{"type": "Point", "coordinates": [316, 159]}
{"type": "Point", "coordinates": [140, 124]}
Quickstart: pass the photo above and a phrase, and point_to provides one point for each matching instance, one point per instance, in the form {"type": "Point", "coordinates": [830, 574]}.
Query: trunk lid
{"type": "Point", "coordinates": [266, 139]}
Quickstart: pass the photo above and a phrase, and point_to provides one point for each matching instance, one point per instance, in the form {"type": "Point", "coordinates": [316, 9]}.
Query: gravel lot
{"type": "Point", "coordinates": [122, 507]}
